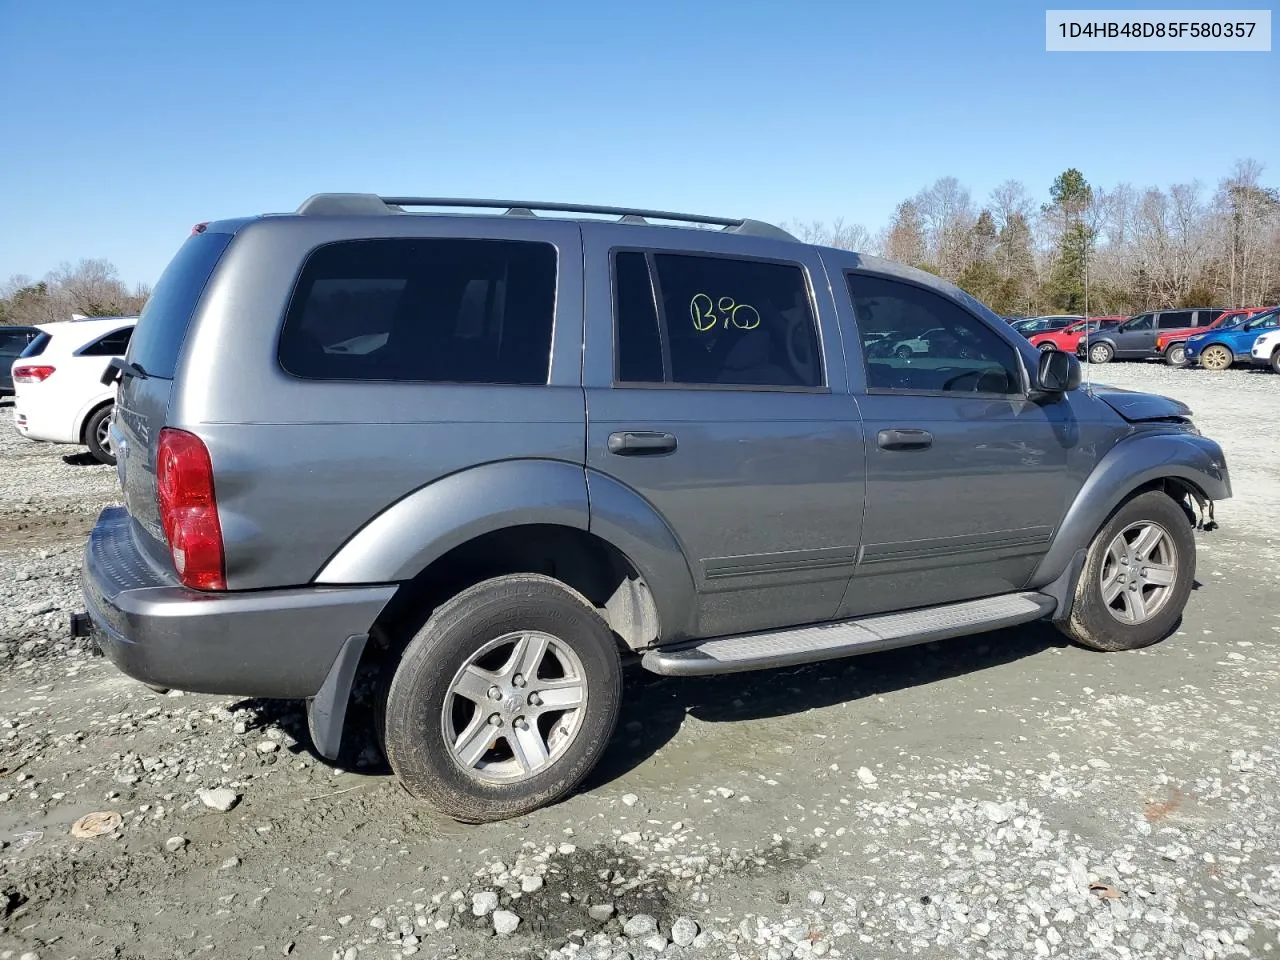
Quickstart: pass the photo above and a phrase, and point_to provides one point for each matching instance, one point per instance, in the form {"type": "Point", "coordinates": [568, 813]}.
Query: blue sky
{"type": "Point", "coordinates": [127, 122]}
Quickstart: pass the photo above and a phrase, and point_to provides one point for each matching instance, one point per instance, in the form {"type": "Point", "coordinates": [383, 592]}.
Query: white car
{"type": "Point", "coordinates": [59, 396]}
{"type": "Point", "coordinates": [1266, 350]}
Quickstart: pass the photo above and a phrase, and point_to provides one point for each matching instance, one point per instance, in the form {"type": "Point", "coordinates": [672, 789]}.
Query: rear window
{"type": "Point", "coordinates": [423, 310]}
{"type": "Point", "coordinates": [164, 320]}
{"type": "Point", "coordinates": [38, 346]}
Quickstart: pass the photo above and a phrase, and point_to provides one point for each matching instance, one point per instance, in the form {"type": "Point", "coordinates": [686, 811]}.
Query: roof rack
{"type": "Point", "coordinates": [366, 204]}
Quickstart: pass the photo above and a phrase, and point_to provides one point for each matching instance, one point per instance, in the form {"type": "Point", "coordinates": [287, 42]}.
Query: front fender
{"type": "Point", "coordinates": [1130, 464]}
{"type": "Point", "coordinates": [417, 529]}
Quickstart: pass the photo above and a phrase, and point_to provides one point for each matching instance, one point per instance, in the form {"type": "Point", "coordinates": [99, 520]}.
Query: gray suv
{"type": "Point", "coordinates": [1135, 339]}
{"type": "Point", "coordinates": [496, 457]}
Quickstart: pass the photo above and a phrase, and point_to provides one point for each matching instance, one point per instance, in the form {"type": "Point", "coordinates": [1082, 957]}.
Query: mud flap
{"type": "Point", "coordinates": [327, 710]}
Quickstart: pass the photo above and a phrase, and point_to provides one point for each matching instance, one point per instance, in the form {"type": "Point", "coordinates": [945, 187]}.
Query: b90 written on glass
{"type": "Point", "coordinates": [1154, 30]}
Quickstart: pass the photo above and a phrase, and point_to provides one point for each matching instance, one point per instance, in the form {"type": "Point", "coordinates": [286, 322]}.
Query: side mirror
{"type": "Point", "coordinates": [1058, 372]}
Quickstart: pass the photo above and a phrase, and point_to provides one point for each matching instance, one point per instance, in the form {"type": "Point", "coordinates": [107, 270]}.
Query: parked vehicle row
{"type": "Point", "coordinates": [59, 396]}
{"type": "Point", "coordinates": [1219, 349]}
{"type": "Point", "coordinates": [1171, 344]}
{"type": "Point", "coordinates": [491, 455]}
{"type": "Point", "coordinates": [1068, 337]}
{"type": "Point", "coordinates": [1180, 337]}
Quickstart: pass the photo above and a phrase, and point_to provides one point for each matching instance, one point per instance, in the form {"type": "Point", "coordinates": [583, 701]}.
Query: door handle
{"type": "Point", "coordinates": [636, 443]}
{"type": "Point", "coordinates": [904, 439]}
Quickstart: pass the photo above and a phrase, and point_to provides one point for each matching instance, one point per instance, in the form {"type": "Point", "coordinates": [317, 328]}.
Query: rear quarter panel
{"type": "Point", "coordinates": [300, 467]}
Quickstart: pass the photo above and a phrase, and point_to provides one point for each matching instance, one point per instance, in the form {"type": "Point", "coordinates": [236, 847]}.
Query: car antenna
{"type": "Point", "coordinates": [1087, 362]}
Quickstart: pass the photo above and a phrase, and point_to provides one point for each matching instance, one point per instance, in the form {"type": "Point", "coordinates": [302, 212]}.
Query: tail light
{"type": "Point", "coordinates": [189, 510]}
{"type": "Point", "coordinates": [32, 373]}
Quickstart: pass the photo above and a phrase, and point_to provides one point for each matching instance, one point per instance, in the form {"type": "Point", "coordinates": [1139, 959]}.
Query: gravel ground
{"type": "Point", "coordinates": [1001, 796]}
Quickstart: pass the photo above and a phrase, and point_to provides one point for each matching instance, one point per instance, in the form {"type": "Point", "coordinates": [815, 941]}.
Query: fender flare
{"type": "Point", "coordinates": [1130, 465]}
{"type": "Point", "coordinates": [422, 526]}
{"type": "Point", "coordinates": [624, 519]}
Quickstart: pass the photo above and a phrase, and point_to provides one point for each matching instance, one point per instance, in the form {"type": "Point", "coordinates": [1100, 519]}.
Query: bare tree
{"type": "Point", "coordinates": [946, 210]}
{"type": "Point", "coordinates": [845, 236]}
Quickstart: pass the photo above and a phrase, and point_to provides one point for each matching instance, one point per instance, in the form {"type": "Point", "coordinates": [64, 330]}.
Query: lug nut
{"type": "Point", "coordinates": [521, 723]}
{"type": "Point", "coordinates": [495, 721]}
{"type": "Point", "coordinates": [495, 693]}
{"type": "Point", "coordinates": [535, 700]}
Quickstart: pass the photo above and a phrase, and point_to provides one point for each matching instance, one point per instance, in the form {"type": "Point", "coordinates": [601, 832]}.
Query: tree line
{"type": "Point", "coordinates": [90, 288]}
{"type": "Point", "coordinates": [1126, 249]}
{"type": "Point", "coordinates": [1134, 249]}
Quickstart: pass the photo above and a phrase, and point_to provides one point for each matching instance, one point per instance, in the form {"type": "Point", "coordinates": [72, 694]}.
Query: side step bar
{"type": "Point", "coordinates": [828, 641]}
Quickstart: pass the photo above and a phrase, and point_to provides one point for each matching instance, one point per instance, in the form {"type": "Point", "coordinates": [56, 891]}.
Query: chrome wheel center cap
{"type": "Point", "coordinates": [511, 703]}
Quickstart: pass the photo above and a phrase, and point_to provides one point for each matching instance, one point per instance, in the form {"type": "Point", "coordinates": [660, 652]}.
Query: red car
{"type": "Point", "coordinates": [1067, 338]}
{"type": "Point", "coordinates": [1171, 343]}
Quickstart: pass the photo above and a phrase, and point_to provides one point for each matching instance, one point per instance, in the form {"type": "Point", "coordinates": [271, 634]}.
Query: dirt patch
{"type": "Point", "coordinates": [42, 530]}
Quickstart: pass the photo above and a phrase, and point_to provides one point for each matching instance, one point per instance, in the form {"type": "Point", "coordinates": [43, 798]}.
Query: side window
{"type": "Point", "coordinates": [1175, 319]}
{"type": "Point", "coordinates": [917, 340]}
{"type": "Point", "coordinates": [1206, 317]}
{"type": "Point", "coordinates": [1144, 322]}
{"type": "Point", "coordinates": [425, 310]}
{"type": "Point", "coordinates": [112, 345]}
{"type": "Point", "coordinates": [714, 320]}
{"type": "Point", "coordinates": [638, 342]}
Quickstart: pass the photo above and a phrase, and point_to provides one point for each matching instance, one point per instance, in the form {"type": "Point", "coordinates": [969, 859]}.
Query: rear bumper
{"type": "Point", "coordinates": [267, 643]}
{"type": "Point", "coordinates": [36, 424]}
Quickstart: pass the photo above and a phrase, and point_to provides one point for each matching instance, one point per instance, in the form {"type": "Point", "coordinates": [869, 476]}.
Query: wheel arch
{"type": "Point", "coordinates": [1182, 465]}
{"type": "Point", "coordinates": [86, 414]}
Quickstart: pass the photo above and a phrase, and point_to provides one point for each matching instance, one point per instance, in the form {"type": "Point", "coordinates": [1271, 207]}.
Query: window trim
{"type": "Point", "coordinates": [80, 351]}
{"type": "Point", "coordinates": [296, 283]}
{"type": "Point", "coordinates": [1024, 374]}
{"type": "Point", "coordinates": [655, 283]}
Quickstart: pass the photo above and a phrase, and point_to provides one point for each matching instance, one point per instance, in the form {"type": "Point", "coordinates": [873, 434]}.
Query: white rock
{"type": "Point", "coordinates": [632, 838]}
{"type": "Point", "coordinates": [683, 931]}
{"type": "Point", "coordinates": [641, 925]}
{"type": "Point", "coordinates": [866, 776]}
{"type": "Point", "coordinates": [726, 793]}
{"type": "Point", "coordinates": [505, 922]}
{"type": "Point", "coordinates": [174, 844]}
{"type": "Point", "coordinates": [996, 812]}
{"type": "Point", "coordinates": [816, 898]}
{"type": "Point", "coordinates": [221, 799]}
{"type": "Point", "coordinates": [484, 903]}
{"type": "Point", "coordinates": [600, 912]}
{"type": "Point", "coordinates": [530, 884]}
{"type": "Point", "coordinates": [268, 746]}
{"type": "Point", "coordinates": [630, 799]}
{"type": "Point", "coordinates": [655, 942]}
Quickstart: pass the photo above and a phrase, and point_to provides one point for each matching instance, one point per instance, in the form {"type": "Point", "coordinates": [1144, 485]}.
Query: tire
{"type": "Point", "coordinates": [1176, 355]}
{"type": "Point", "coordinates": [1101, 352]}
{"type": "Point", "coordinates": [1216, 357]}
{"type": "Point", "coordinates": [1275, 360]}
{"type": "Point", "coordinates": [482, 636]}
{"type": "Point", "coordinates": [1101, 625]}
{"type": "Point", "coordinates": [95, 437]}
{"type": "Point", "coordinates": [904, 353]}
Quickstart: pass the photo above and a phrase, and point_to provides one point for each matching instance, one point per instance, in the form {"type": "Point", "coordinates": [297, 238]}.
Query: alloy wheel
{"type": "Point", "coordinates": [514, 707]}
{"type": "Point", "coordinates": [1216, 357]}
{"type": "Point", "coordinates": [1139, 572]}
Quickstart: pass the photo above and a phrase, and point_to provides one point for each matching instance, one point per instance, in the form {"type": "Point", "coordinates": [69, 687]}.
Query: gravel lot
{"type": "Point", "coordinates": [1003, 796]}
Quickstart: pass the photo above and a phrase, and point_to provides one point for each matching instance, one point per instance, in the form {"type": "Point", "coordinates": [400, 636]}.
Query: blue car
{"type": "Point", "coordinates": [1219, 349]}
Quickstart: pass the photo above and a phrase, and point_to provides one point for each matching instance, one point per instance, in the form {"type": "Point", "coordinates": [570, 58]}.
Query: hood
{"type": "Point", "coordinates": [1134, 406]}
